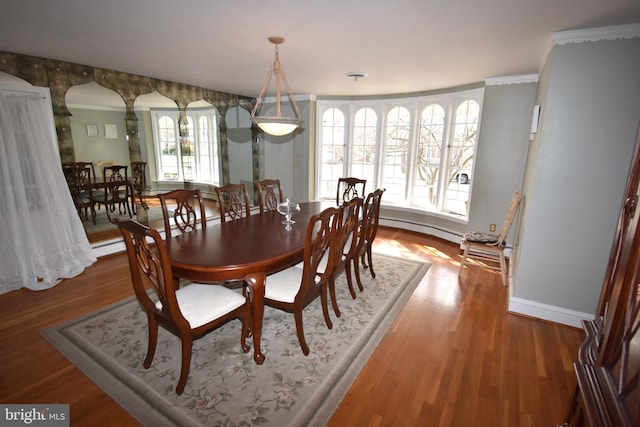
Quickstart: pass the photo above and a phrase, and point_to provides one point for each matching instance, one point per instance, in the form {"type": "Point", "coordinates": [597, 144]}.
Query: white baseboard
{"type": "Point", "coordinates": [442, 233]}
{"type": "Point", "coordinates": [548, 312]}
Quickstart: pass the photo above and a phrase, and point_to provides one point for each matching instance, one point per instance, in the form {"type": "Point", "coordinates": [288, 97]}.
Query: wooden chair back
{"type": "Point", "coordinates": [348, 188]}
{"type": "Point", "coordinates": [184, 209]}
{"type": "Point", "coordinates": [508, 220]}
{"type": "Point", "coordinates": [234, 202]}
{"type": "Point", "coordinates": [269, 194]}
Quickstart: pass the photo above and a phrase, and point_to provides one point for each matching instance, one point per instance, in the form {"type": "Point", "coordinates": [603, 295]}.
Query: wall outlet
{"type": "Point", "coordinates": [492, 228]}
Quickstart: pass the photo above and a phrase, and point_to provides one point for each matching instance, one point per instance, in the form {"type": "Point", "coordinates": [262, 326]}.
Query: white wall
{"type": "Point", "coordinates": [576, 175]}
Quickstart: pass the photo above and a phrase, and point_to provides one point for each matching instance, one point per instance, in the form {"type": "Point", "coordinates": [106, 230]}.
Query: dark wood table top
{"type": "Point", "coordinates": [231, 250]}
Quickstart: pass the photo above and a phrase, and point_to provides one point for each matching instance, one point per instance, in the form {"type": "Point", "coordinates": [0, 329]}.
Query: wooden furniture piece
{"type": "Point", "coordinates": [348, 247]}
{"type": "Point", "coordinates": [139, 175]}
{"type": "Point", "coordinates": [234, 202]}
{"type": "Point", "coordinates": [367, 234]}
{"type": "Point", "coordinates": [117, 190]}
{"type": "Point", "coordinates": [348, 188]}
{"type": "Point", "coordinates": [247, 249]}
{"type": "Point", "coordinates": [188, 312]}
{"type": "Point", "coordinates": [292, 289]}
{"type": "Point", "coordinates": [269, 194]}
{"type": "Point", "coordinates": [490, 246]}
{"type": "Point", "coordinates": [78, 179]}
{"type": "Point", "coordinates": [608, 367]}
{"type": "Point", "coordinates": [185, 207]}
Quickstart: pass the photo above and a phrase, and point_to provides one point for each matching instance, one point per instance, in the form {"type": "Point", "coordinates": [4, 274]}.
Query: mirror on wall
{"type": "Point", "coordinates": [240, 148]}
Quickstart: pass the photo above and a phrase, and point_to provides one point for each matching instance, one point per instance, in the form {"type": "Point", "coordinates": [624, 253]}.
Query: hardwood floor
{"type": "Point", "coordinates": [453, 357]}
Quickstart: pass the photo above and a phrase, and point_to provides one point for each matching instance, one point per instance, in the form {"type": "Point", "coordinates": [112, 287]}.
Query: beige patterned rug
{"type": "Point", "coordinates": [152, 213]}
{"type": "Point", "coordinates": [225, 386]}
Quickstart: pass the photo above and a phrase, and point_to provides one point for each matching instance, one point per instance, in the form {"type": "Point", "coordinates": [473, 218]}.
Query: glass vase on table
{"type": "Point", "coordinates": [287, 209]}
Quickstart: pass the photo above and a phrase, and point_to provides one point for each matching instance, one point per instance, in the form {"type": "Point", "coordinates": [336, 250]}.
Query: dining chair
{"type": "Point", "coordinates": [269, 194]}
{"type": "Point", "coordinates": [234, 202]}
{"type": "Point", "coordinates": [81, 193]}
{"type": "Point", "coordinates": [348, 244]}
{"type": "Point", "coordinates": [138, 173]}
{"type": "Point", "coordinates": [116, 190]}
{"type": "Point", "coordinates": [189, 312]}
{"type": "Point", "coordinates": [293, 288]}
{"type": "Point", "coordinates": [348, 188]}
{"type": "Point", "coordinates": [185, 207]}
{"type": "Point", "coordinates": [485, 246]}
{"type": "Point", "coordinates": [367, 234]}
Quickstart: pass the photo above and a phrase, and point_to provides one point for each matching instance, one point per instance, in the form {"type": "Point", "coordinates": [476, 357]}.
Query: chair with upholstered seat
{"type": "Point", "coordinates": [78, 180]}
{"type": "Point", "coordinates": [138, 173]}
{"type": "Point", "coordinates": [269, 194]}
{"type": "Point", "coordinates": [489, 247]}
{"type": "Point", "coordinates": [233, 201]}
{"type": "Point", "coordinates": [182, 210]}
{"type": "Point", "coordinates": [350, 217]}
{"type": "Point", "coordinates": [348, 188]}
{"type": "Point", "coordinates": [293, 288]}
{"type": "Point", "coordinates": [116, 190]}
{"type": "Point", "coordinates": [188, 312]}
{"type": "Point", "coordinates": [367, 234]}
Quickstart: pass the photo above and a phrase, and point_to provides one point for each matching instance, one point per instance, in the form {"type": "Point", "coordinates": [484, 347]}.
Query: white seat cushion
{"type": "Point", "coordinates": [283, 285]}
{"type": "Point", "coordinates": [200, 303]}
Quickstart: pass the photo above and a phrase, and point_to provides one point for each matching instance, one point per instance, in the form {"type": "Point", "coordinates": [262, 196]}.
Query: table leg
{"type": "Point", "coordinates": [256, 295]}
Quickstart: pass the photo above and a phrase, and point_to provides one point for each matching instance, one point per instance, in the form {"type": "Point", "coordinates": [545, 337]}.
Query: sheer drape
{"type": "Point", "coordinates": [41, 236]}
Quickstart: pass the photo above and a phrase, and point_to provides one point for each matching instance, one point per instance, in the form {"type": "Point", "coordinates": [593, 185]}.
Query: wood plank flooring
{"type": "Point", "coordinates": [453, 357]}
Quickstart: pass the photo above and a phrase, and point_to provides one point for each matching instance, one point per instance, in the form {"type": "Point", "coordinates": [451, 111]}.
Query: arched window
{"type": "Point", "coordinates": [363, 152]}
{"type": "Point", "coordinates": [427, 174]}
{"type": "Point", "coordinates": [197, 156]}
{"type": "Point", "coordinates": [395, 149]}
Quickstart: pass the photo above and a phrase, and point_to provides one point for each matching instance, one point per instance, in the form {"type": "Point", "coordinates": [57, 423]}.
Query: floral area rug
{"type": "Point", "coordinates": [225, 386]}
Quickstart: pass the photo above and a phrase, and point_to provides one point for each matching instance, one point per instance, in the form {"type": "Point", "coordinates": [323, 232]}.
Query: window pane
{"type": "Point", "coordinates": [167, 143]}
{"type": "Point", "coordinates": [204, 150]}
{"type": "Point", "coordinates": [395, 154]}
{"type": "Point", "coordinates": [461, 156]}
{"type": "Point", "coordinates": [332, 155]}
{"type": "Point", "coordinates": [187, 150]}
{"type": "Point", "coordinates": [425, 189]}
{"type": "Point", "coordinates": [364, 145]}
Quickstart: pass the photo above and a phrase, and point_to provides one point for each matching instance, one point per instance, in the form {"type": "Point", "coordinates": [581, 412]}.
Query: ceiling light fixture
{"type": "Point", "coordinates": [277, 125]}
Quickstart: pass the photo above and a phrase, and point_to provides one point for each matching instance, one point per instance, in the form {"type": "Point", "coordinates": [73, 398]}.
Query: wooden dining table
{"type": "Point", "coordinates": [245, 249]}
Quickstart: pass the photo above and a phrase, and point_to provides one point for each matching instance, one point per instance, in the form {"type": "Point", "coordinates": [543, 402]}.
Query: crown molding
{"type": "Point", "coordinates": [596, 34]}
{"type": "Point", "coordinates": [512, 80]}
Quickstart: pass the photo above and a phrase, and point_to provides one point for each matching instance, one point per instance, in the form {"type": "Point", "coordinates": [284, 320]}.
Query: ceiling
{"type": "Point", "coordinates": [403, 45]}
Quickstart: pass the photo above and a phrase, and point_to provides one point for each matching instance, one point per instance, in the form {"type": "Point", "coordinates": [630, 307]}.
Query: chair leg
{"type": "Point", "coordinates": [332, 293]}
{"type": "Point", "coordinates": [325, 307]}
{"type": "Point", "coordinates": [503, 268]}
{"type": "Point", "coordinates": [464, 258]}
{"type": "Point", "coordinates": [299, 329]}
{"type": "Point", "coordinates": [153, 339]}
{"type": "Point", "coordinates": [186, 363]}
{"type": "Point", "coordinates": [347, 269]}
{"type": "Point", "coordinates": [244, 334]}
{"type": "Point", "coordinates": [356, 265]}
{"type": "Point", "coordinates": [370, 260]}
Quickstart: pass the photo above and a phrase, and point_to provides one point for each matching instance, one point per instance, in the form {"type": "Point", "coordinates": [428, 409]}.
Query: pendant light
{"type": "Point", "coordinates": [277, 125]}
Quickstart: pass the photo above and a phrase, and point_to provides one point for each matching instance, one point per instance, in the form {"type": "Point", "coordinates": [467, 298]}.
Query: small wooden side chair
{"type": "Point", "coordinates": [184, 209]}
{"type": "Point", "coordinates": [348, 188]}
{"type": "Point", "coordinates": [483, 246]}
{"type": "Point", "coordinates": [269, 194]}
{"type": "Point", "coordinates": [234, 202]}
{"type": "Point", "coordinates": [188, 312]}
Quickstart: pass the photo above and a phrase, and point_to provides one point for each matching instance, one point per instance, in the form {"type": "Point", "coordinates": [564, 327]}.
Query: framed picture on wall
{"type": "Point", "coordinates": [111, 131]}
{"type": "Point", "coordinates": [93, 130]}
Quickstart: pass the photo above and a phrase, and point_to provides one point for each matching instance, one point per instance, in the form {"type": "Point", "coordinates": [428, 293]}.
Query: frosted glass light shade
{"type": "Point", "coordinates": [277, 126]}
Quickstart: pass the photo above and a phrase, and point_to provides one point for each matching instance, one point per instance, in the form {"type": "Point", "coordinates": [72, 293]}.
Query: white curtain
{"type": "Point", "coordinates": [41, 235]}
